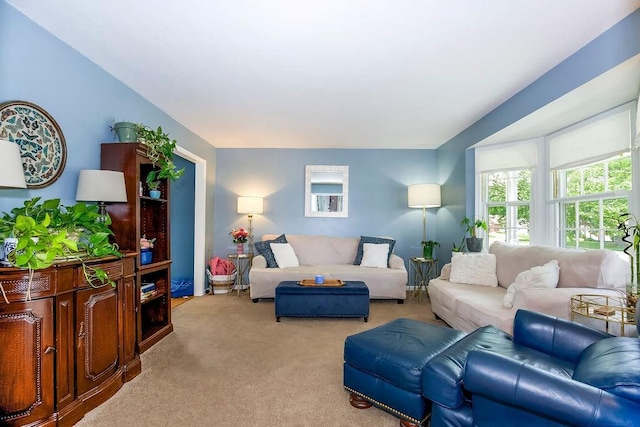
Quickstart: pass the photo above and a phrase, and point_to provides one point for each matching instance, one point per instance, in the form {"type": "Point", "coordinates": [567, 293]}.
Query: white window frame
{"type": "Point", "coordinates": [544, 208]}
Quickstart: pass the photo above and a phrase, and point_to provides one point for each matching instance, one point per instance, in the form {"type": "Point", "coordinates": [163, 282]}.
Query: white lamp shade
{"type": "Point", "coordinates": [250, 205]}
{"type": "Point", "coordinates": [12, 173]}
{"type": "Point", "coordinates": [424, 196]}
{"type": "Point", "coordinates": [101, 186]}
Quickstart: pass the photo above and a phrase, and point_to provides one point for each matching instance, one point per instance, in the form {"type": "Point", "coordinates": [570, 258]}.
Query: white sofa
{"type": "Point", "coordinates": [332, 257]}
{"type": "Point", "coordinates": [467, 307]}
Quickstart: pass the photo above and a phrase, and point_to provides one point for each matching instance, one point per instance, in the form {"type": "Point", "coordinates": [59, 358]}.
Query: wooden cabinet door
{"type": "Point", "coordinates": [96, 336]}
{"type": "Point", "coordinates": [129, 305]}
{"type": "Point", "coordinates": [26, 361]}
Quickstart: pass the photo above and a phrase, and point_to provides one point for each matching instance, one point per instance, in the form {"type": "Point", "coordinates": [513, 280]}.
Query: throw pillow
{"type": "Point", "coordinates": [376, 240]}
{"type": "Point", "coordinates": [375, 255]}
{"type": "Point", "coordinates": [264, 249]}
{"type": "Point", "coordinates": [285, 255]}
{"type": "Point", "coordinates": [474, 269]}
{"type": "Point", "coordinates": [542, 276]}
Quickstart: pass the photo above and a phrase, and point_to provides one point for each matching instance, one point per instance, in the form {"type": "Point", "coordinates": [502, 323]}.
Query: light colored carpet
{"type": "Point", "coordinates": [229, 363]}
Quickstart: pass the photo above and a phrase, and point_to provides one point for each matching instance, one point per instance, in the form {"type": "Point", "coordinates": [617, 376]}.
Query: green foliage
{"type": "Point", "coordinates": [628, 224]}
{"type": "Point", "coordinates": [472, 225]}
{"type": "Point", "coordinates": [430, 243]}
{"type": "Point", "coordinates": [160, 150]}
{"type": "Point", "coordinates": [49, 231]}
{"type": "Point", "coordinates": [458, 248]}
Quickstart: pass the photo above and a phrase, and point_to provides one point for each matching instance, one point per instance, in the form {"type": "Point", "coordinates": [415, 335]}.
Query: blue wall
{"type": "Point", "coordinates": [37, 67]}
{"type": "Point", "coordinates": [378, 181]}
{"type": "Point", "coordinates": [456, 164]}
{"type": "Point", "coordinates": [182, 212]}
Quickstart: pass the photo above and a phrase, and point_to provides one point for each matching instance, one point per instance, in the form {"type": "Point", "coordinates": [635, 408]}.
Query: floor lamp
{"type": "Point", "coordinates": [424, 196]}
{"type": "Point", "coordinates": [250, 206]}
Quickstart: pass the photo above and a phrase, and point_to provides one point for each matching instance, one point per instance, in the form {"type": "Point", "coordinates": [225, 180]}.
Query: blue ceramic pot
{"type": "Point", "coordinates": [146, 256]}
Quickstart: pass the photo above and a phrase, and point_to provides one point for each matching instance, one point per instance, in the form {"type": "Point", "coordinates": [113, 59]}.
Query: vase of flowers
{"type": "Point", "coordinates": [240, 236]}
{"type": "Point", "coordinates": [146, 255]}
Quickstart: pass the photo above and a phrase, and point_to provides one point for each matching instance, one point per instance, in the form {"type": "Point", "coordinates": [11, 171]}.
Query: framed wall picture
{"type": "Point", "coordinates": [42, 144]}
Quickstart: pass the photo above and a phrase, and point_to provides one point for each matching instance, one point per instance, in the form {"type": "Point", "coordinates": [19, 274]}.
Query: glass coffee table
{"type": "Point", "coordinates": [612, 310]}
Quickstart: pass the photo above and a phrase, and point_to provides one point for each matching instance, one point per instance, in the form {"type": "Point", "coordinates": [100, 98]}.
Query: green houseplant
{"type": "Point", "coordinates": [628, 224]}
{"type": "Point", "coordinates": [49, 231]}
{"type": "Point", "coordinates": [427, 248]}
{"type": "Point", "coordinates": [160, 150]}
{"type": "Point", "coordinates": [474, 243]}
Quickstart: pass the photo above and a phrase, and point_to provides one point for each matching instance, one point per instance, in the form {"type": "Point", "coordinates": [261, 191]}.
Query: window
{"type": "Point", "coordinates": [508, 205]}
{"type": "Point", "coordinates": [565, 189]}
{"type": "Point", "coordinates": [589, 200]}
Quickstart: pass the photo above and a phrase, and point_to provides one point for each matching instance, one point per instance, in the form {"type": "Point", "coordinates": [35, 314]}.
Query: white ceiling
{"type": "Point", "coordinates": [331, 73]}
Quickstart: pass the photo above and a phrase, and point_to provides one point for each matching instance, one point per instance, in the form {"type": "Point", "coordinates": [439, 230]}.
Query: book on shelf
{"type": "Point", "coordinates": [146, 287]}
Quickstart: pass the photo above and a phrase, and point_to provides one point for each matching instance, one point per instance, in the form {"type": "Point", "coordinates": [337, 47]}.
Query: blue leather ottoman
{"type": "Point", "coordinates": [383, 366]}
{"type": "Point", "coordinates": [350, 300]}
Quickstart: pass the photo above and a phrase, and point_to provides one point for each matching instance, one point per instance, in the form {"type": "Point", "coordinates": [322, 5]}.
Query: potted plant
{"type": "Point", "coordinates": [628, 224]}
{"type": "Point", "coordinates": [427, 248]}
{"type": "Point", "coordinates": [154, 189]}
{"type": "Point", "coordinates": [146, 255]}
{"type": "Point", "coordinates": [160, 150]}
{"type": "Point", "coordinates": [126, 131]}
{"type": "Point", "coordinates": [240, 236]}
{"type": "Point", "coordinates": [474, 243]}
{"type": "Point", "coordinates": [458, 248]}
{"type": "Point", "coordinates": [48, 231]}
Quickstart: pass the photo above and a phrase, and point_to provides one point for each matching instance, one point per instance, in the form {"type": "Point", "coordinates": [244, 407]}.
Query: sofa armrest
{"type": "Point", "coordinates": [396, 263]}
{"type": "Point", "coordinates": [259, 261]}
{"type": "Point", "coordinates": [554, 336]}
{"type": "Point", "coordinates": [497, 382]}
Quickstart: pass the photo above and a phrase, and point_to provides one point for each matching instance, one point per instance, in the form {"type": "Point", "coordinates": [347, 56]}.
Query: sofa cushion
{"type": "Point", "coordinates": [264, 249]}
{"type": "Point", "coordinates": [375, 255]}
{"type": "Point", "coordinates": [474, 269]}
{"type": "Point", "coordinates": [369, 239]}
{"type": "Point", "coordinates": [542, 276]}
{"type": "Point", "coordinates": [284, 255]}
{"type": "Point", "coordinates": [612, 364]}
{"type": "Point", "coordinates": [597, 268]}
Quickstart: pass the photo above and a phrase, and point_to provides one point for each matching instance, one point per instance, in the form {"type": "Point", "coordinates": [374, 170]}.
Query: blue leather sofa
{"type": "Point", "coordinates": [551, 372]}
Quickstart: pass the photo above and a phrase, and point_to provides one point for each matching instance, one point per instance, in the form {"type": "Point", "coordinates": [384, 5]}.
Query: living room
{"type": "Point", "coordinates": [85, 100]}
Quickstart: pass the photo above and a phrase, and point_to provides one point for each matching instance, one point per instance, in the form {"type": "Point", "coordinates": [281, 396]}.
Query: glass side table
{"type": "Point", "coordinates": [242, 262]}
{"type": "Point", "coordinates": [611, 310]}
{"type": "Point", "coordinates": [423, 270]}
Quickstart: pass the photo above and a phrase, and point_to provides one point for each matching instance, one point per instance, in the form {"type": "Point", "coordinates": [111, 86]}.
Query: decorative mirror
{"type": "Point", "coordinates": [326, 191]}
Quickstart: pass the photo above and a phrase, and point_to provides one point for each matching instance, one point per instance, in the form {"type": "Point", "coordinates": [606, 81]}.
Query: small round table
{"type": "Point", "coordinates": [242, 262]}
{"type": "Point", "coordinates": [423, 270]}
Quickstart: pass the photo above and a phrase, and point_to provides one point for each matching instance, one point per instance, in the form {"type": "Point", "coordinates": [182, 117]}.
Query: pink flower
{"type": "Point", "coordinates": [239, 235]}
{"type": "Point", "coordinates": [146, 243]}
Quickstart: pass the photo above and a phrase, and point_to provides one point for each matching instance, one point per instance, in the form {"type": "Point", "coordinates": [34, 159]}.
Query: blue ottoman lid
{"type": "Point", "coordinates": [397, 351]}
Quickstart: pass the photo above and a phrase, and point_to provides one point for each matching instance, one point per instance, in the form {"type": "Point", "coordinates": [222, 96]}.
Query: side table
{"type": "Point", "coordinates": [423, 271]}
{"type": "Point", "coordinates": [242, 262]}
{"type": "Point", "coordinates": [607, 309]}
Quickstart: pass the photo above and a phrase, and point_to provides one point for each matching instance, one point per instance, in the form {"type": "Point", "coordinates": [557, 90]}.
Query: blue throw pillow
{"type": "Point", "coordinates": [264, 248]}
{"type": "Point", "coordinates": [375, 240]}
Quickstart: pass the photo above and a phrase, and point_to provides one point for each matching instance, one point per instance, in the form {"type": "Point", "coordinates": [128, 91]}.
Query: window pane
{"type": "Point", "coordinates": [568, 212]}
{"type": "Point", "coordinates": [593, 179]}
{"type": "Point", "coordinates": [573, 182]}
{"type": "Point", "coordinates": [620, 173]}
{"type": "Point", "coordinates": [497, 185]}
{"type": "Point", "coordinates": [497, 223]}
{"type": "Point", "coordinates": [524, 185]}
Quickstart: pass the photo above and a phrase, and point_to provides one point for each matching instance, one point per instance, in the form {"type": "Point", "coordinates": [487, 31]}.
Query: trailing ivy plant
{"type": "Point", "coordinates": [160, 150]}
{"type": "Point", "coordinates": [48, 231]}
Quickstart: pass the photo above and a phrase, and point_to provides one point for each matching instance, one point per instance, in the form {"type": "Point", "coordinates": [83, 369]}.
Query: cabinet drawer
{"type": "Point", "coordinates": [16, 284]}
{"type": "Point", "coordinates": [114, 271]}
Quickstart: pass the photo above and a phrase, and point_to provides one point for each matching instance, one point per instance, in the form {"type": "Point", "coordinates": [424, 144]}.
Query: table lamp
{"type": "Point", "coordinates": [101, 186]}
{"type": "Point", "coordinates": [12, 175]}
{"type": "Point", "coordinates": [424, 196]}
{"type": "Point", "coordinates": [250, 205]}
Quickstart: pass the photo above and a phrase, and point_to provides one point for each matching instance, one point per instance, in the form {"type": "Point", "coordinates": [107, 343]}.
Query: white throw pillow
{"type": "Point", "coordinates": [474, 269]}
{"type": "Point", "coordinates": [284, 254]}
{"type": "Point", "coordinates": [375, 255]}
{"type": "Point", "coordinates": [542, 276]}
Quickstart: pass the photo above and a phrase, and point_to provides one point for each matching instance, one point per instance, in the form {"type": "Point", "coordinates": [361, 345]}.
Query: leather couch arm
{"type": "Point", "coordinates": [554, 336]}
{"type": "Point", "coordinates": [499, 384]}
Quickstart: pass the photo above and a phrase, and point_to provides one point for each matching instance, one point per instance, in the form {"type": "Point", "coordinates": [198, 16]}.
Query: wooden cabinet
{"type": "Point", "coordinates": [143, 216]}
{"type": "Point", "coordinates": [63, 351]}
